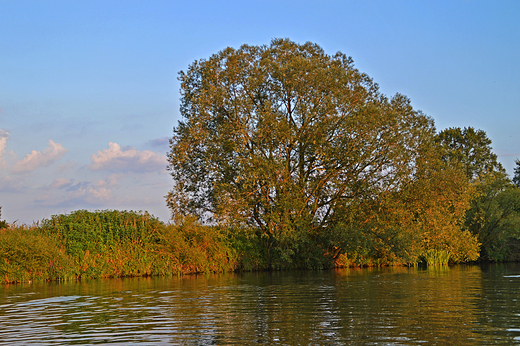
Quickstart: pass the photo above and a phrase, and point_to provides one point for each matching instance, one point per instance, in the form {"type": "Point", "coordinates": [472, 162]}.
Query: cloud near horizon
{"type": "Point", "coordinates": [67, 192]}
{"type": "Point", "coordinates": [37, 159]}
{"type": "Point", "coordinates": [117, 159]}
{"type": "Point", "coordinates": [60, 183]}
{"type": "Point", "coordinates": [108, 192]}
{"type": "Point", "coordinates": [4, 136]}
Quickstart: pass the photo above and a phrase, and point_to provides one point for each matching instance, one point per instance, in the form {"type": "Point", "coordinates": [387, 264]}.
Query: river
{"type": "Point", "coordinates": [459, 305]}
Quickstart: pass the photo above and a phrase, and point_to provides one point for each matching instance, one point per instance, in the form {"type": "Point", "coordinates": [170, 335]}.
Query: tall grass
{"type": "Point", "coordinates": [83, 230]}
{"type": "Point", "coordinates": [28, 255]}
{"type": "Point", "coordinates": [193, 248]}
{"type": "Point", "coordinates": [86, 245]}
{"type": "Point", "coordinates": [109, 243]}
{"type": "Point", "coordinates": [434, 257]}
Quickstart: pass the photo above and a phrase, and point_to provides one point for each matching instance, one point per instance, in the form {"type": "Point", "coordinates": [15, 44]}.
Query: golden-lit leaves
{"type": "Point", "coordinates": [285, 137]}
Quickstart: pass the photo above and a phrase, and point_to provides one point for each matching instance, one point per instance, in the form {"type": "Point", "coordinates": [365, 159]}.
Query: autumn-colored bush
{"type": "Point", "coordinates": [28, 255]}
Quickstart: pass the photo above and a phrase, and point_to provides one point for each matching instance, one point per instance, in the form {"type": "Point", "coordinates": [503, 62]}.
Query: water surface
{"type": "Point", "coordinates": [461, 305]}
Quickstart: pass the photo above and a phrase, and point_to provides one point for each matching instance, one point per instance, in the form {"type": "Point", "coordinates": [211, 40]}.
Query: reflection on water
{"type": "Point", "coordinates": [462, 305]}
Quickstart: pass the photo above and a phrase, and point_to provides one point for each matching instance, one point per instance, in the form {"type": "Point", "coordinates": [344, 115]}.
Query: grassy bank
{"type": "Point", "coordinates": [104, 244]}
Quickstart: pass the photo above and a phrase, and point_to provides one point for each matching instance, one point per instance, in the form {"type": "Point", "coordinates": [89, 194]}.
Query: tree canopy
{"type": "Point", "coordinates": [516, 176]}
{"type": "Point", "coordinates": [471, 149]}
{"type": "Point", "coordinates": [291, 142]}
{"type": "Point", "coordinates": [494, 214]}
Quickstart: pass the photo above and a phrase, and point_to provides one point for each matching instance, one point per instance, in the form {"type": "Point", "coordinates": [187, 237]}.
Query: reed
{"type": "Point", "coordinates": [434, 257]}
{"type": "Point", "coordinates": [194, 248]}
{"type": "Point", "coordinates": [102, 244]}
{"type": "Point", "coordinates": [28, 255]}
{"type": "Point", "coordinates": [109, 243]}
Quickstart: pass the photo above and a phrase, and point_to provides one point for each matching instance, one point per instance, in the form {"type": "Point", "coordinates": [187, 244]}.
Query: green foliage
{"type": "Point", "coordinates": [516, 176]}
{"type": "Point", "coordinates": [371, 245]}
{"type": "Point", "coordinates": [438, 202]}
{"type": "Point", "coordinates": [425, 214]}
{"type": "Point", "coordinates": [3, 224]}
{"type": "Point", "coordinates": [97, 231]}
{"type": "Point", "coordinates": [495, 218]}
{"type": "Point", "coordinates": [88, 245]}
{"type": "Point", "coordinates": [250, 249]}
{"type": "Point", "coordinates": [436, 257]}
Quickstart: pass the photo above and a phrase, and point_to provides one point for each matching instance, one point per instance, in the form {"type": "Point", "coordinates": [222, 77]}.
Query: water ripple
{"type": "Point", "coordinates": [375, 307]}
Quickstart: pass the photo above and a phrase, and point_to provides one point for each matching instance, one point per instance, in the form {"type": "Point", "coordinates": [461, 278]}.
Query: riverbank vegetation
{"type": "Point", "coordinates": [288, 158]}
{"type": "Point", "coordinates": [109, 243]}
{"type": "Point", "coordinates": [450, 224]}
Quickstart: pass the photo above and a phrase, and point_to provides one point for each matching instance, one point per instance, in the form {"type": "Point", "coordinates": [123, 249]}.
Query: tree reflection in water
{"type": "Point", "coordinates": [461, 305]}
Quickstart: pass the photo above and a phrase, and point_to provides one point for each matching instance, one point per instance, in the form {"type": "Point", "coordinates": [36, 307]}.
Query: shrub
{"type": "Point", "coordinates": [28, 255]}
{"type": "Point", "coordinates": [194, 248]}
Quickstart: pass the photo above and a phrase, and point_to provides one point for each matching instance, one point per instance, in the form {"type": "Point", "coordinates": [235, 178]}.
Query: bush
{"type": "Point", "coordinates": [28, 255]}
{"type": "Point", "coordinates": [94, 231]}
{"type": "Point", "coordinates": [193, 248]}
{"type": "Point", "coordinates": [108, 243]}
{"type": "Point", "coordinates": [3, 224]}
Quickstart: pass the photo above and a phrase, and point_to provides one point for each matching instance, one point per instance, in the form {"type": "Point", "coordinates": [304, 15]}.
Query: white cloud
{"type": "Point", "coordinates": [127, 159]}
{"type": "Point", "coordinates": [4, 135]}
{"type": "Point", "coordinates": [37, 159]}
{"type": "Point", "coordinates": [74, 194]}
{"type": "Point", "coordinates": [89, 194]}
{"type": "Point", "coordinates": [99, 194]}
{"type": "Point", "coordinates": [111, 181]}
{"type": "Point", "coordinates": [69, 165]}
{"type": "Point", "coordinates": [12, 184]}
{"type": "Point", "coordinates": [60, 183]}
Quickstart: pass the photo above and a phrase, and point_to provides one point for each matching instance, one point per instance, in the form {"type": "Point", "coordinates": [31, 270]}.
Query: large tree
{"type": "Point", "coordinates": [287, 140]}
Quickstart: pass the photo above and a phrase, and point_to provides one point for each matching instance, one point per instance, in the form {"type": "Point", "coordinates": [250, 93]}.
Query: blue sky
{"type": "Point", "coordinates": [89, 92]}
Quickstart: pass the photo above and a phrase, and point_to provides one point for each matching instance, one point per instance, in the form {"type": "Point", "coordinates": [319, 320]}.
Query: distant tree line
{"type": "Point", "coordinates": [3, 223]}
